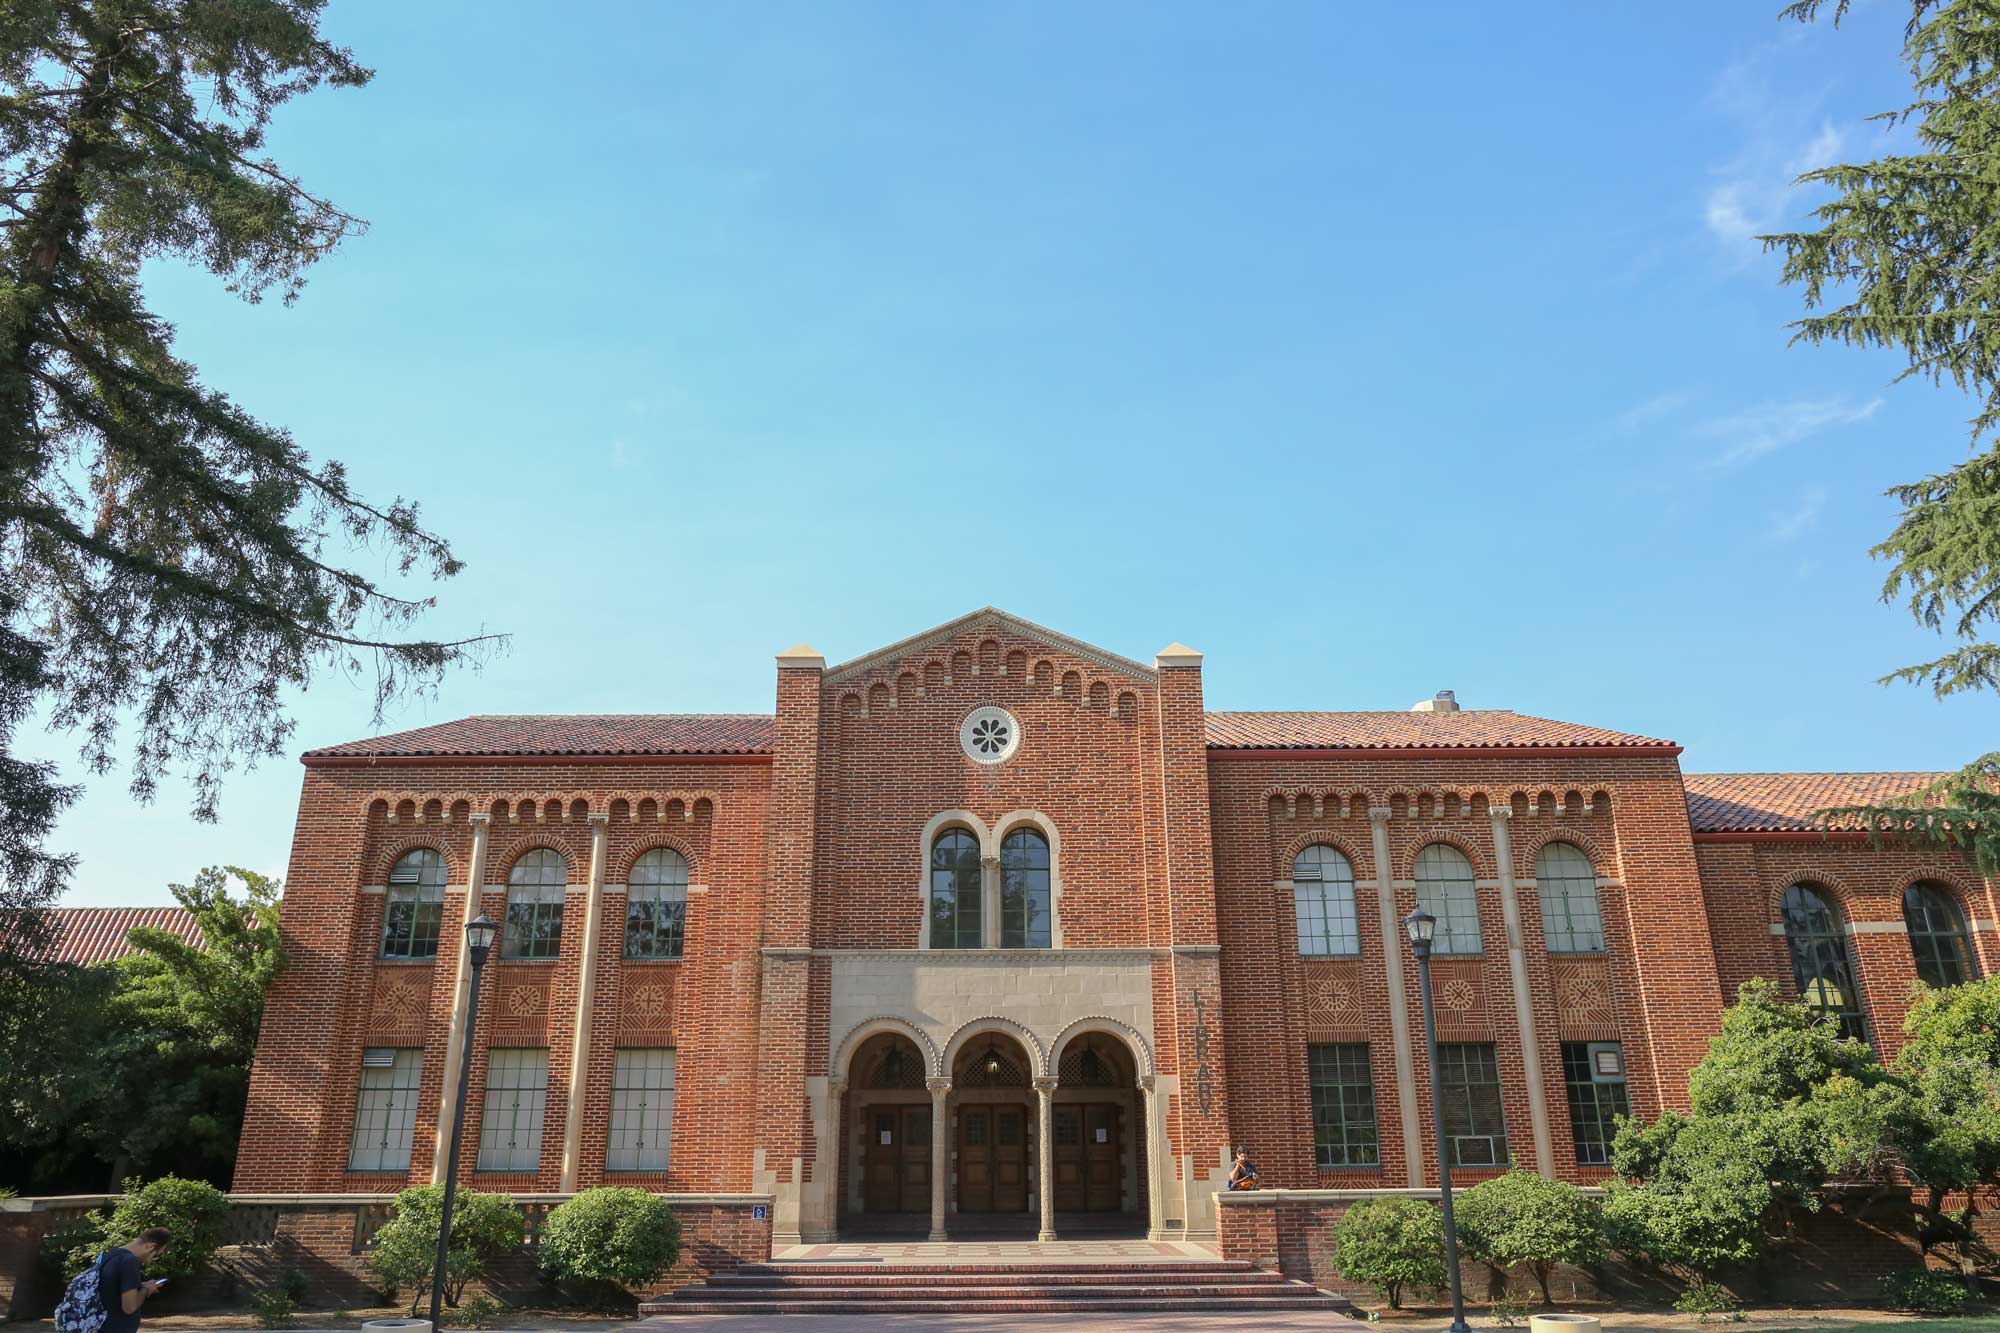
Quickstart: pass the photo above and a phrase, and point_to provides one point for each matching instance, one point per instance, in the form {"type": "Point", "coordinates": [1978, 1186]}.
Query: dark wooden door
{"type": "Point", "coordinates": [1010, 1159]}
{"type": "Point", "coordinates": [915, 1168]}
{"type": "Point", "coordinates": [1067, 1158]}
{"type": "Point", "coordinates": [1103, 1174]}
{"type": "Point", "coordinates": [975, 1159]}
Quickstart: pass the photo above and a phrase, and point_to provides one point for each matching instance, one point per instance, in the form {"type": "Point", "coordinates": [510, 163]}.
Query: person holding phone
{"type": "Point", "coordinates": [122, 1283]}
{"type": "Point", "coordinates": [1243, 1175]}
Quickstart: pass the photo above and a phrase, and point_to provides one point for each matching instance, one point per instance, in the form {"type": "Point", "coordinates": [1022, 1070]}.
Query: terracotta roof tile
{"type": "Point", "coordinates": [1784, 802]}
{"type": "Point", "coordinates": [572, 733]}
{"type": "Point", "coordinates": [87, 935]}
{"type": "Point", "coordinates": [1468, 729]}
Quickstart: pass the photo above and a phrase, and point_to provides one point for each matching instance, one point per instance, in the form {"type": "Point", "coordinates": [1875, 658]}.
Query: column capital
{"type": "Point", "coordinates": [938, 1086]}
{"type": "Point", "coordinates": [599, 820]}
{"type": "Point", "coordinates": [1145, 1082]}
{"type": "Point", "coordinates": [1379, 814]}
{"type": "Point", "coordinates": [1499, 812]}
{"type": "Point", "coordinates": [836, 1088]}
{"type": "Point", "coordinates": [480, 821]}
{"type": "Point", "coordinates": [1045, 1083]}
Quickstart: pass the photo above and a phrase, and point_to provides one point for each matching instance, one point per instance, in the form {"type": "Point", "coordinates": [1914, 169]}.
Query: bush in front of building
{"type": "Point", "coordinates": [1524, 1220]}
{"type": "Point", "coordinates": [196, 1212]}
{"type": "Point", "coordinates": [607, 1241]}
{"type": "Point", "coordinates": [1925, 1290]}
{"type": "Point", "coordinates": [484, 1227]}
{"type": "Point", "coordinates": [1393, 1244]}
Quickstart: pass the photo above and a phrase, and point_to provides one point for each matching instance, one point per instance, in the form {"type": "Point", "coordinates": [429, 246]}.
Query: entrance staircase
{"type": "Point", "coordinates": [1219, 1287]}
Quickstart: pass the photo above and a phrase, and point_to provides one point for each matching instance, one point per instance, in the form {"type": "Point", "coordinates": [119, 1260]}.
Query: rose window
{"type": "Point", "coordinates": [989, 735]}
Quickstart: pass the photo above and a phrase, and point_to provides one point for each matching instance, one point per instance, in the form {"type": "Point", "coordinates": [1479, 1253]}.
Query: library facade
{"type": "Point", "coordinates": [992, 931]}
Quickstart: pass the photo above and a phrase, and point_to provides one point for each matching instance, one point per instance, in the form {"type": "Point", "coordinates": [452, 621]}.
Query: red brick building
{"type": "Point", "coordinates": [992, 928]}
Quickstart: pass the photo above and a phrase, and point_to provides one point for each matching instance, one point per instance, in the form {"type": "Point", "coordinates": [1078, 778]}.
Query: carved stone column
{"type": "Point", "coordinates": [586, 999]}
{"type": "Point", "coordinates": [475, 897]}
{"type": "Point", "coordinates": [940, 1157]}
{"type": "Point", "coordinates": [1399, 1000]}
{"type": "Point", "coordinates": [1524, 1003]}
{"type": "Point", "coordinates": [1045, 1093]}
{"type": "Point", "coordinates": [1156, 1159]}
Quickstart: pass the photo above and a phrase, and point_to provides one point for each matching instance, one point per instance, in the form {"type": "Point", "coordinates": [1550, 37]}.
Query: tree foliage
{"type": "Point", "coordinates": [1524, 1220]}
{"type": "Point", "coordinates": [149, 1067]}
{"type": "Point", "coordinates": [196, 1212]}
{"type": "Point", "coordinates": [1393, 1244]}
{"type": "Point", "coordinates": [483, 1228]}
{"type": "Point", "coordinates": [165, 558]}
{"type": "Point", "coordinates": [1904, 258]}
{"type": "Point", "coordinates": [618, 1238]}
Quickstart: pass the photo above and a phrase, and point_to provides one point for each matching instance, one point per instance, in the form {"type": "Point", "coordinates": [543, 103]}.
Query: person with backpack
{"type": "Point", "coordinates": [106, 1297]}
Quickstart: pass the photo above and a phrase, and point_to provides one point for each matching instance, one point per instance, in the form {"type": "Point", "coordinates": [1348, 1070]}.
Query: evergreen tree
{"type": "Point", "coordinates": [1904, 257]}
{"type": "Point", "coordinates": [163, 555]}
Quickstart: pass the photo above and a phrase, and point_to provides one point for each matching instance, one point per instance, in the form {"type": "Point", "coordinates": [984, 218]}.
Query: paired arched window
{"type": "Point", "coordinates": [656, 905]}
{"type": "Point", "coordinates": [414, 912]}
{"type": "Point", "coordinates": [1566, 883]}
{"type": "Point", "coordinates": [1820, 964]}
{"type": "Point", "coordinates": [1938, 937]}
{"type": "Point", "coordinates": [535, 905]}
{"type": "Point", "coordinates": [955, 890]}
{"type": "Point", "coordinates": [1446, 890]}
{"type": "Point", "coordinates": [1323, 898]}
{"type": "Point", "coordinates": [1024, 890]}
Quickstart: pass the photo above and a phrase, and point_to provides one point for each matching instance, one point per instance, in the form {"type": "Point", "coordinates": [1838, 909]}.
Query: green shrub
{"type": "Point", "coordinates": [196, 1212]}
{"type": "Point", "coordinates": [1926, 1290]}
{"type": "Point", "coordinates": [1391, 1244]}
{"type": "Point", "coordinates": [1523, 1220]}
{"type": "Point", "coordinates": [293, 1283]}
{"type": "Point", "coordinates": [273, 1308]}
{"type": "Point", "coordinates": [610, 1238]}
{"type": "Point", "coordinates": [483, 1228]}
{"type": "Point", "coordinates": [1509, 1310]}
{"type": "Point", "coordinates": [1705, 1300]}
{"type": "Point", "coordinates": [68, 1249]}
{"type": "Point", "coordinates": [477, 1311]}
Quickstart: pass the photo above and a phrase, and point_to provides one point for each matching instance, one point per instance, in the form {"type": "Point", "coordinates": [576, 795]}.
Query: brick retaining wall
{"type": "Point", "coordinates": [326, 1238]}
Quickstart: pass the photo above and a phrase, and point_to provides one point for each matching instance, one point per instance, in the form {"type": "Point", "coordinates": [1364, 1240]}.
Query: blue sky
{"type": "Point", "coordinates": [1370, 355]}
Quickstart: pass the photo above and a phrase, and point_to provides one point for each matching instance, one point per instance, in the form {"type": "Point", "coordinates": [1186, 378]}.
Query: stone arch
{"type": "Point", "coordinates": [843, 1054]}
{"type": "Point", "coordinates": [1142, 1050]}
{"type": "Point", "coordinates": [1045, 826]}
{"type": "Point", "coordinates": [938, 823]}
{"type": "Point", "coordinates": [980, 1027]}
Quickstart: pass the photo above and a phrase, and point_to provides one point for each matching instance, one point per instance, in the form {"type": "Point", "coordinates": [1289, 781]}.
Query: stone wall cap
{"type": "Point", "coordinates": [803, 656]}
{"type": "Point", "coordinates": [1176, 654]}
{"type": "Point", "coordinates": [1250, 1198]}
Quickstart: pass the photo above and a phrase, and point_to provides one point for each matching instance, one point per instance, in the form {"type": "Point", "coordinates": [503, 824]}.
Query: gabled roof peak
{"type": "Point", "coordinates": [990, 617]}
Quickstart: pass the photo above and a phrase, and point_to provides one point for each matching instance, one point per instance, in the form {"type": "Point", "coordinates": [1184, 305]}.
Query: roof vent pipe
{"type": "Point", "coordinates": [1445, 702]}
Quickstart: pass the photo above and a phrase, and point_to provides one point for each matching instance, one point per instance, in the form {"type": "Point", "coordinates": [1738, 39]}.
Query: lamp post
{"type": "Point", "coordinates": [1422, 928]}
{"type": "Point", "coordinates": [479, 933]}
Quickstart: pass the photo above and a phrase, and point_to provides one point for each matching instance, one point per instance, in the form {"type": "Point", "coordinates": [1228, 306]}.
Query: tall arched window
{"type": "Point", "coordinates": [1566, 883]}
{"type": "Point", "coordinates": [414, 912]}
{"type": "Point", "coordinates": [955, 890]}
{"type": "Point", "coordinates": [1938, 937]}
{"type": "Point", "coordinates": [1323, 898]}
{"type": "Point", "coordinates": [656, 905]}
{"type": "Point", "coordinates": [1024, 890]}
{"type": "Point", "coordinates": [1445, 890]}
{"type": "Point", "coordinates": [535, 905]}
{"type": "Point", "coordinates": [1819, 958]}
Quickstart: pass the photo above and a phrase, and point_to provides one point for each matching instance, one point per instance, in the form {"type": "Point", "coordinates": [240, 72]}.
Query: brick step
{"type": "Point", "coordinates": [1068, 1304]}
{"type": "Point", "coordinates": [1019, 1277]}
{"type": "Point", "coordinates": [1023, 1291]}
{"type": "Point", "coordinates": [926, 1270]}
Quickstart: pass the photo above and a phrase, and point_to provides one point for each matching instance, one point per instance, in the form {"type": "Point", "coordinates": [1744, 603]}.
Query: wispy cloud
{"type": "Point", "coordinates": [1654, 410]}
{"type": "Point", "coordinates": [1793, 524]}
{"type": "Point", "coordinates": [1754, 193]}
{"type": "Point", "coordinates": [1748, 435]}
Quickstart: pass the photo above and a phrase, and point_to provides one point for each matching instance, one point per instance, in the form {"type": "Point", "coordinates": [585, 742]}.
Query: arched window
{"type": "Point", "coordinates": [1937, 936]}
{"type": "Point", "coordinates": [1024, 890]}
{"type": "Point", "coordinates": [535, 905]}
{"type": "Point", "coordinates": [1819, 958]}
{"type": "Point", "coordinates": [656, 905]}
{"type": "Point", "coordinates": [955, 890]}
{"type": "Point", "coordinates": [1566, 883]}
{"type": "Point", "coordinates": [414, 912]}
{"type": "Point", "coordinates": [1323, 898]}
{"type": "Point", "coordinates": [1445, 890]}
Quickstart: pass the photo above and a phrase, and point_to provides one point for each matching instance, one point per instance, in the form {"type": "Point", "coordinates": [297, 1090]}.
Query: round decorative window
{"type": "Point", "coordinates": [989, 735]}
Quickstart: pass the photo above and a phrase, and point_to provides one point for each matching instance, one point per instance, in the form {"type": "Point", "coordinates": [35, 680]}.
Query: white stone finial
{"type": "Point", "coordinates": [1177, 654]}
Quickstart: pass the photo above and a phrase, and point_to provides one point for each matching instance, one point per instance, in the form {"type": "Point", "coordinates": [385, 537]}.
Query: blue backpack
{"type": "Point", "coordinates": [83, 1309]}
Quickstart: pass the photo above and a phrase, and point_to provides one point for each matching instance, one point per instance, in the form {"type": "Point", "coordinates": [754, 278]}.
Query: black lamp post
{"type": "Point", "coordinates": [1422, 927]}
{"type": "Point", "coordinates": [479, 933]}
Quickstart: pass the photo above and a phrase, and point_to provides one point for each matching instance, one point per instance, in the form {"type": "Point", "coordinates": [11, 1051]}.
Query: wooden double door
{"type": "Point", "coordinates": [993, 1159]}
{"type": "Point", "coordinates": [897, 1170]}
{"type": "Point", "coordinates": [1085, 1151]}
